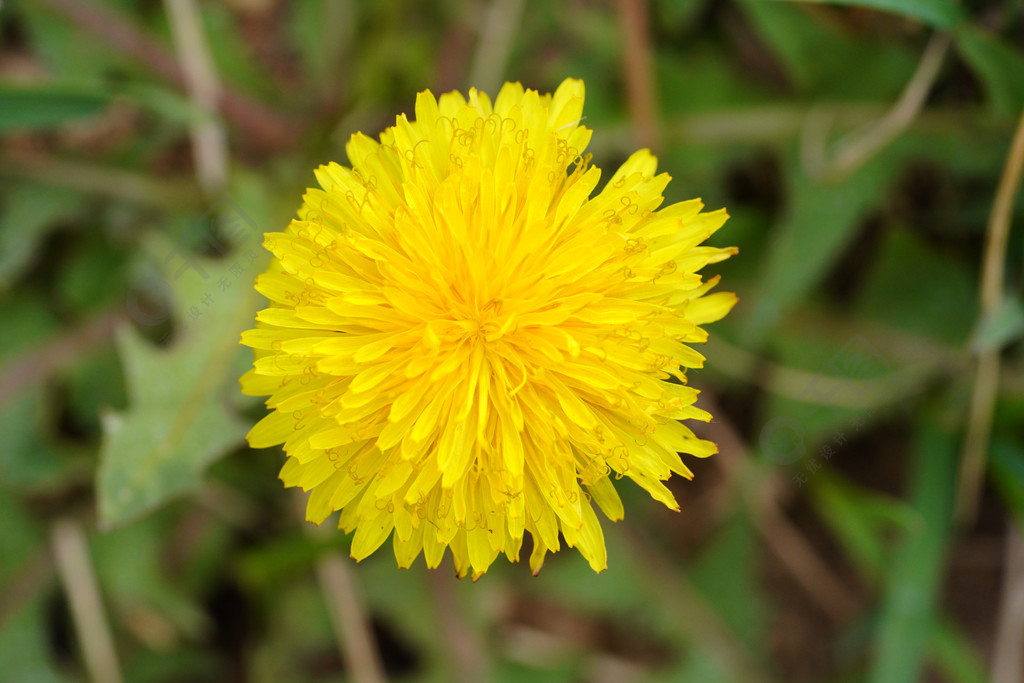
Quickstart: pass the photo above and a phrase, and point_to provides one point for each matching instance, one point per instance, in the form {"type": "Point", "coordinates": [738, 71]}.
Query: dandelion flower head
{"type": "Point", "coordinates": [465, 343]}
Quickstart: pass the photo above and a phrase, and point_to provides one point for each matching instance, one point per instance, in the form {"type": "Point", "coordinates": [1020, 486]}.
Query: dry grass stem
{"type": "Point", "coordinates": [638, 64]}
{"type": "Point", "coordinates": [990, 297]}
{"type": "Point", "coordinates": [71, 552]}
{"type": "Point", "coordinates": [208, 137]}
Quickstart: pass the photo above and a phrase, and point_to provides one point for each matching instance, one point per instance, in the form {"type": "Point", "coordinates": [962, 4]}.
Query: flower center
{"type": "Point", "coordinates": [484, 325]}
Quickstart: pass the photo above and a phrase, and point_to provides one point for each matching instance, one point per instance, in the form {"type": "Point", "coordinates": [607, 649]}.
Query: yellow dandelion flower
{"type": "Point", "coordinates": [464, 345]}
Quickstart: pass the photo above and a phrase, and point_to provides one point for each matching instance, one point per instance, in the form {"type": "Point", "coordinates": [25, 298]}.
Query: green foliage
{"type": "Point", "coordinates": [129, 558]}
{"type": "Point", "coordinates": [954, 655]}
{"type": "Point", "coordinates": [999, 66]}
{"type": "Point", "coordinates": [62, 47]}
{"type": "Point", "coordinates": [817, 56]}
{"type": "Point", "coordinates": [861, 520]}
{"type": "Point", "coordinates": [939, 13]}
{"type": "Point", "coordinates": [914, 288]}
{"type": "Point", "coordinates": [27, 212]}
{"type": "Point", "coordinates": [1007, 467]}
{"type": "Point", "coordinates": [724, 573]}
{"type": "Point", "coordinates": [1003, 326]}
{"type": "Point", "coordinates": [23, 108]}
{"type": "Point", "coordinates": [23, 647]}
{"type": "Point", "coordinates": [29, 456]}
{"type": "Point", "coordinates": [913, 578]}
{"type": "Point", "coordinates": [820, 221]}
{"type": "Point", "coordinates": [178, 421]}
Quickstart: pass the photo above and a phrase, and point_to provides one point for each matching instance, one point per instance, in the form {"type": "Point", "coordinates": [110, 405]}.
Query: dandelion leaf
{"type": "Point", "coordinates": [180, 417]}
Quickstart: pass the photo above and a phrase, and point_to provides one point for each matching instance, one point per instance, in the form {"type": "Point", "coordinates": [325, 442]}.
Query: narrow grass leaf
{"type": "Point", "coordinates": [820, 222]}
{"type": "Point", "coordinates": [937, 13]}
{"type": "Point", "coordinates": [35, 108]}
{"type": "Point", "coordinates": [912, 580]}
{"type": "Point", "coordinates": [998, 65]}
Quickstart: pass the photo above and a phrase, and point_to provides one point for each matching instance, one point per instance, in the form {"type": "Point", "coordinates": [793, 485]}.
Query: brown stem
{"type": "Point", "coordinates": [348, 615]}
{"type": "Point", "coordinates": [1007, 656]}
{"type": "Point", "coordinates": [463, 643]}
{"type": "Point", "coordinates": [345, 601]}
{"type": "Point", "coordinates": [209, 142]}
{"type": "Point", "coordinates": [990, 295]}
{"type": "Point", "coordinates": [74, 565]}
{"type": "Point", "coordinates": [639, 71]}
{"type": "Point", "coordinates": [499, 23]}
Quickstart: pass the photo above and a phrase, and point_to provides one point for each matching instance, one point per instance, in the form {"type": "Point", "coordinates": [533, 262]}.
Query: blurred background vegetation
{"type": "Point", "coordinates": [859, 522]}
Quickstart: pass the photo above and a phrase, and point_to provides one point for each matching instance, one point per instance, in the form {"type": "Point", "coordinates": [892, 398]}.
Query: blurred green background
{"type": "Point", "coordinates": [859, 522]}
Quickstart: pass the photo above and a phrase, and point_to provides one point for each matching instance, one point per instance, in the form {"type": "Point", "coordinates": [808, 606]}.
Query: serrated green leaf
{"type": "Point", "coordinates": [998, 65]}
{"type": "Point", "coordinates": [1001, 327]}
{"type": "Point", "coordinates": [938, 13]}
{"type": "Point", "coordinates": [177, 424]}
{"type": "Point", "coordinates": [179, 420]}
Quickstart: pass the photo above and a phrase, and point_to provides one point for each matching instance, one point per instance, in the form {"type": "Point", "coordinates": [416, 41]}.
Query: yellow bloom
{"type": "Point", "coordinates": [463, 344]}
